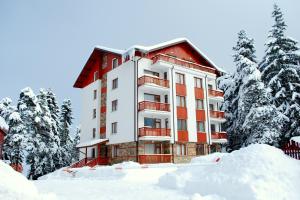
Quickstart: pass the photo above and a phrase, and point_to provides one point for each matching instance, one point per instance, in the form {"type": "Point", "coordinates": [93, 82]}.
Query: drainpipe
{"type": "Point", "coordinates": [136, 65]}
{"type": "Point", "coordinates": [207, 115]}
{"type": "Point", "coordinates": [173, 110]}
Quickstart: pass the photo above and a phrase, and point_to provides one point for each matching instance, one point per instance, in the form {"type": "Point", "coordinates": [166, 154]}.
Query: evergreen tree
{"type": "Point", "coordinates": [14, 140]}
{"type": "Point", "coordinates": [66, 142]}
{"type": "Point", "coordinates": [76, 140]}
{"type": "Point", "coordinates": [6, 108]}
{"type": "Point", "coordinates": [281, 72]}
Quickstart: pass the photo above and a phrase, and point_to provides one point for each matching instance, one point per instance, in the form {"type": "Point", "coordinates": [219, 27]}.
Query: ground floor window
{"type": "Point", "coordinates": [115, 151]}
{"type": "Point", "coordinates": [181, 149]}
{"type": "Point", "coordinates": [200, 149]}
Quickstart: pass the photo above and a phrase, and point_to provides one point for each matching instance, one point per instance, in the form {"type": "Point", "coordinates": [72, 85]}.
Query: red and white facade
{"type": "Point", "coordinates": [149, 104]}
{"type": "Point", "coordinates": [3, 130]}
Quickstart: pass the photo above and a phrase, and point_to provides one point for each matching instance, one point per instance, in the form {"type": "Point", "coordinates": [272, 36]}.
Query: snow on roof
{"type": "Point", "coordinates": [3, 124]}
{"type": "Point", "coordinates": [296, 139]}
{"type": "Point", "coordinates": [159, 46]}
{"type": "Point", "coordinates": [91, 143]}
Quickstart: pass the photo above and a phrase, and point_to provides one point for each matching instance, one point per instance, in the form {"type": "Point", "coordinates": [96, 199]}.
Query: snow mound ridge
{"type": "Point", "coordinates": [14, 186]}
{"type": "Point", "coordinates": [257, 172]}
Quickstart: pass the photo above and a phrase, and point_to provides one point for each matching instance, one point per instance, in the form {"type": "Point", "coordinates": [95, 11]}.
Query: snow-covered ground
{"type": "Point", "coordinates": [258, 172]}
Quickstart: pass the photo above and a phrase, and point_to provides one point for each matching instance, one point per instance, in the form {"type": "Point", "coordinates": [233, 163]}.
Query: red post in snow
{"type": "Point", "coordinates": [85, 155]}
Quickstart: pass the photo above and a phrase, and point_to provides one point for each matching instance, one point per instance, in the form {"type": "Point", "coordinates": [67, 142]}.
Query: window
{"type": "Point", "coordinates": [115, 83]}
{"type": "Point", "coordinates": [166, 98]}
{"type": "Point", "coordinates": [210, 87]}
{"type": "Point", "coordinates": [181, 125]}
{"type": "Point", "coordinates": [115, 151]}
{"type": "Point", "coordinates": [180, 101]}
{"type": "Point", "coordinates": [114, 105]}
{"type": "Point", "coordinates": [211, 107]}
{"type": "Point", "coordinates": [165, 75]}
{"type": "Point", "coordinates": [96, 75]}
{"type": "Point", "coordinates": [200, 149]}
{"type": "Point", "coordinates": [181, 149]}
{"type": "Point", "coordinates": [200, 126]}
{"type": "Point", "coordinates": [104, 61]}
{"type": "Point", "coordinates": [199, 104]}
{"type": "Point", "coordinates": [148, 72]}
{"type": "Point", "coordinates": [149, 149]}
{"type": "Point", "coordinates": [198, 82]}
{"type": "Point", "coordinates": [95, 94]}
{"type": "Point", "coordinates": [94, 133]}
{"type": "Point", "coordinates": [152, 122]}
{"type": "Point", "coordinates": [115, 63]}
{"type": "Point", "coordinates": [114, 127]}
{"type": "Point", "coordinates": [180, 78]}
{"type": "Point", "coordinates": [151, 97]}
{"type": "Point", "coordinates": [94, 113]}
{"type": "Point", "coordinates": [213, 128]}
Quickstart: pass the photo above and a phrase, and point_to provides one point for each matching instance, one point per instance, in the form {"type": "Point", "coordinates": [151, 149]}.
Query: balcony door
{"type": "Point", "coordinates": [152, 97]}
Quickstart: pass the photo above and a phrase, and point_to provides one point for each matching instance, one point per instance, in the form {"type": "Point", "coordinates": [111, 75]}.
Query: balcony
{"type": "Point", "coordinates": [155, 158]}
{"type": "Point", "coordinates": [201, 137]}
{"type": "Point", "coordinates": [153, 80]}
{"type": "Point", "coordinates": [183, 136]}
{"type": "Point", "coordinates": [218, 135]}
{"type": "Point", "coordinates": [149, 105]}
{"type": "Point", "coordinates": [218, 115]}
{"type": "Point", "coordinates": [181, 62]}
{"type": "Point", "coordinates": [156, 132]}
{"type": "Point", "coordinates": [215, 93]}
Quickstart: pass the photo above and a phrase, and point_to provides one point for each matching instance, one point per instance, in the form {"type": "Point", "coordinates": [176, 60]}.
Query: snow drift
{"type": "Point", "coordinates": [14, 186]}
{"type": "Point", "coordinates": [257, 172]}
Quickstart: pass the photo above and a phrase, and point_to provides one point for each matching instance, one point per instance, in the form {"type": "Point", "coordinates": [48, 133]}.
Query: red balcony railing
{"type": "Point", "coordinates": [97, 161]}
{"type": "Point", "coordinates": [215, 93]}
{"type": "Point", "coordinates": [153, 106]}
{"type": "Point", "coordinates": [81, 163]}
{"type": "Point", "coordinates": [182, 62]}
{"type": "Point", "coordinates": [145, 131]}
{"type": "Point", "coordinates": [153, 80]}
{"type": "Point", "coordinates": [155, 158]}
{"type": "Point", "coordinates": [219, 135]}
{"type": "Point", "coordinates": [217, 114]}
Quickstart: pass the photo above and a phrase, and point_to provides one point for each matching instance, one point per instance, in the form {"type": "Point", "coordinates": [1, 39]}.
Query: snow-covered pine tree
{"type": "Point", "coordinates": [14, 141]}
{"type": "Point", "coordinates": [54, 112]}
{"type": "Point", "coordinates": [30, 112]}
{"type": "Point", "coordinates": [76, 140]}
{"type": "Point", "coordinates": [232, 85]}
{"type": "Point", "coordinates": [281, 72]}
{"type": "Point", "coordinates": [66, 142]}
{"type": "Point", "coordinates": [6, 108]}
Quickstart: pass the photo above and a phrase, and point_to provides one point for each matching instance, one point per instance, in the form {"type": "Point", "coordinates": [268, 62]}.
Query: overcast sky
{"type": "Point", "coordinates": [46, 43]}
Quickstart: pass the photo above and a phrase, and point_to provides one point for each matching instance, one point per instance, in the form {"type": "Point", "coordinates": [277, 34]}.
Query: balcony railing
{"type": "Point", "coordinates": [181, 62]}
{"type": "Point", "coordinates": [97, 161]}
{"type": "Point", "coordinates": [155, 158]}
{"type": "Point", "coordinates": [217, 114]}
{"type": "Point", "coordinates": [153, 80]}
{"type": "Point", "coordinates": [219, 135]}
{"type": "Point", "coordinates": [154, 106]}
{"type": "Point", "coordinates": [215, 93]}
{"type": "Point", "coordinates": [146, 131]}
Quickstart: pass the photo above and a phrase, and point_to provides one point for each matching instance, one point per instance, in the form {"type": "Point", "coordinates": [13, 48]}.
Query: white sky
{"type": "Point", "coordinates": [46, 43]}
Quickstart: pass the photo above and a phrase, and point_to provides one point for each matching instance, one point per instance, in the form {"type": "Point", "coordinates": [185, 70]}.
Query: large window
{"type": "Point", "coordinates": [152, 122]}
{"type": "Point", "coordinates": [180, 78]}
{"type": "Point", "coordinates": [114, 127]}
{"type": "Point", "coordinates": [152, 97]}
{"type": "Point", "coordinates": [200, 126]}
{"type": "Point", "coordinates": [180, 149]}
{"type": "Point", "coordinates": [180, 101]}
{"type": "Point", "coordinates": [198, 82]}
{"type": "Point", "coordinates": [115, 63]}
{"type": "Point", "coordinates": [114, 105]}
{"type": "Point", "coordinates": [115, 83]}
{"type": "Point", "coordinates": [199, 104]}
{"type": "Point", "coordinates": [151, 73]}
{"type": "Point", "coordinates": [181, 125]}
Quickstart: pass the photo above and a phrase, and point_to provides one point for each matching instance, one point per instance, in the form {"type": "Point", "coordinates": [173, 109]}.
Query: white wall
{"type": "Point", "coordinates": [88, 104]}
{"type": "Point", "coordinates": [124, 115]}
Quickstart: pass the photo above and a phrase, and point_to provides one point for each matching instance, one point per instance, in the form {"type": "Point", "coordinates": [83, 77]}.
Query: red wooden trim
{"type": "Point", "coordinates": [181, 112]}
{"type": "Point", "coordinates": [145, 131]}
{"type": "Point", "coordinates": [201, 137]}
{"type": "Point", "coordinates": [103, 90]}
{"type": "Point", "coordinates": [292, 149]}
{"type": "Point", "coordinates": [216, 114]}
{"type": "Point", "coordinates": [103, 129]}
{"type": "Point", "coordinates": [180, 89]}
{"type": "Point", "coordinates": [215, 93]}
{"type": "Point", "coordinates": [200, 115]}
{"type": "Point", "coordinates": [199, 94]}
{"type": "Point", "coordinates": [154, 106]}
{"type": "Point", "coordinates": [219, 135]}
{"type": "Point", "coordinates": [153, 80]}
{"type": "Point", "coordinates": [183, 136]}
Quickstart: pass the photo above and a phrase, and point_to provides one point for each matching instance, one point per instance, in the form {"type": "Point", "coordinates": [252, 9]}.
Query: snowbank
{"type": "Point", "coordinates": [14, 186]}
{"type": "Point", "coordinates": [257, 172]}
{"type": "Point", "coordinates": [296, 139]}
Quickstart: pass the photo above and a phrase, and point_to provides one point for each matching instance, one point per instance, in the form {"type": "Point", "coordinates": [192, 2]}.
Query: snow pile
{"type": "Point", "coordinates": [257, 172]}
{"type": "Point", "coordinates": [296, 139]}
{"type": "Point", "coordinates": [14, 186]}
